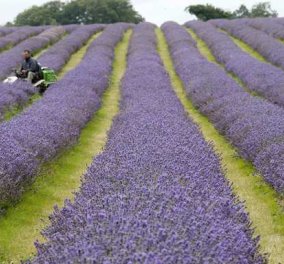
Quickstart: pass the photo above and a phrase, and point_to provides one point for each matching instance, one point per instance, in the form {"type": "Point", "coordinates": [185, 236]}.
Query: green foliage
{"type": "Point", "coordinates": [263, 10]}
{"type": "Point", "coordinates": [207, 12]}
{"type": "Point", "coordinates": [79, 12]}
{"type": "Point", "coordinates": [242, 11]}
{"type": "Point", "coordinates": [46, 14]}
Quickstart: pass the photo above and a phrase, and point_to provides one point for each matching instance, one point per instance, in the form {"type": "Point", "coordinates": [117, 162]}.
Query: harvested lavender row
{"type": "Point", "coordinates": [55, 121]}
{"type": "Point", "coordinates": [266, 45]}
{"type": "Point", "coordinates": [235, 113]}
{"type": "Point", "coordinates": [19, 35]}
{"type": "Point", "coordinates": [12, 57]}
{"type": "Point", "coordinates": [265, 79]}
{"type": "Point", "coordinates": [57, 56]}
{"type": "Point", "coordinates": [156, 194]}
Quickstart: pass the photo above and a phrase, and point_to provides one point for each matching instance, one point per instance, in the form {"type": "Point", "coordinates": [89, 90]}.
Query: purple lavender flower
{"type": "Point", "coordinates": [156, 194]}
{"type": "Point", "coordinates": [235, 113]}
{"type": "Point", "coordinates": [6, 30]}
{"type": "Point", "coordinates": [17, 94]}
{"type": "Point", "coordinates": [266, 45]}
{"type": "Point", "coordinates": [55, 121]}
{"type": "Point", "coordinates": [270, 26]}
{"type": "Point", "coordinates": [19, 35]}
{"type": "Point", "coordinates": [263, 78]}
{"type": "Point", "coordinates": [10, 58]}
{"type": "Point", "coordinates": [58, 54]}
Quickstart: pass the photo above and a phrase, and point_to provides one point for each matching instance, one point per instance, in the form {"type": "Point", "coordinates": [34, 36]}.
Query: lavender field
{"type": "Point", "coordinates": [156, 144]}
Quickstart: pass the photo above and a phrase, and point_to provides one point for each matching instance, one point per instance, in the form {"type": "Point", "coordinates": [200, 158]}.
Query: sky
{"type": "Point", "coordinates": [156, 11]}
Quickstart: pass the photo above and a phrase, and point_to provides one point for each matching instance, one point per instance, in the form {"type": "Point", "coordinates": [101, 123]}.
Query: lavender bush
{"type": "Point", "coordinates": [279, 20]}
{"type": "Point", "coordinates": [12, 57]}
{"type": "Point", "coordinates": [156, 194]}
{"type": "Point", "coordinates": [18, 94]}
{"type": "Point", "coordinates": [269, 25]}
{"type": "Point", "coordinates": [6, 30]}
{"type": "Point", "coordinates": [19, 35]}
{"type": "Point", "coordinates": [266, 45]}
{"type": "Point", "coordinates": [57, 56]}
{"type": "Point", "coordinates": [71, 28]}
{"type": "Point", "coordinates": [252, 124]}
{"type": "Point", "coordinates": [55, 121]}
{"type": "Point", "coordinates": [263, 78]}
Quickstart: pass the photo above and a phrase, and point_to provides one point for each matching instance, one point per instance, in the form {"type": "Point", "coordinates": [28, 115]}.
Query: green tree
{"type": "Point", "coordinates": [79, 12]}
{"type": "Point", "coordinates": [100, 11]}
{"type": "Point", "coordinates": [46, 14]}
{"type": "Point", "coordinates": [206, 12]}
{"type": "Point", "coordinates": [242, 12]}
{"type": "Point", "coordinates": [263, 9]}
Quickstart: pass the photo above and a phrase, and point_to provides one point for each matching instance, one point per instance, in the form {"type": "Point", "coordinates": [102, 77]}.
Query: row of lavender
{"type": "Point", "coordinates": [156, 194]}
{"type": "Point", "coordinates": [253, 125]}
{"type": "Point", "coordinates": [6, 30]}
{"type": "Point", "coordinates": [271, 26]}
{"type": "Point", "coordinates": [19, 35]}
{"type": "Point", "coordinates": [57, 56]}
{"type": "Point", "coordinates": [18, 94]}
{"type": "Point", "coordinates": [263, 78]}
{"type": "Point", "coordinates": [12, 57]}
{"type": "Point", "coordinates": [267, 46]}
{"type": "Point", "coordinates": [55, 121]}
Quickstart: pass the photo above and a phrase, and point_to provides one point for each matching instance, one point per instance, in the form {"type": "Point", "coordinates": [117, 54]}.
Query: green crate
{"type": "Point", "coordinates": [49, 76]}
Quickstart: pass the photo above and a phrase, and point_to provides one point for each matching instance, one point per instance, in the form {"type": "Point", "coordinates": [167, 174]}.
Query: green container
{"type": "Point", "coordinates": [49, 76]}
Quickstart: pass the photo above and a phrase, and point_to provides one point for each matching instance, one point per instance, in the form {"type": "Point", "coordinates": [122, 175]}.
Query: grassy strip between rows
{"type": "Point", "coordinates": [261, 201]}
{"type": "Point", "coordinates": [249, 50]}
{"type": "Point", "coordinates": [74, 60]}
{"type": "Point", "coordinates": [206, 52]}
{"type": "Point", "coordinates": [6, 48]}
{"type": "Point", "coordinates": [58, 180]}
{"type": "Point", "coordinates": [246, 48]}
{"type": "Point", "coordinates": [17, 109]}
{"type": "Point", "coordinates": [77, 56]}
{"type": "Point", "coordinates": [38, 53]}
{"type": "Point", "coordinates": [10, 45]}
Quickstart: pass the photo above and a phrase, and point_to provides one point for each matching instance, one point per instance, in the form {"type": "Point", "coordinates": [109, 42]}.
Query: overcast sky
{"type": "Point", "coordinates": [156, 11]}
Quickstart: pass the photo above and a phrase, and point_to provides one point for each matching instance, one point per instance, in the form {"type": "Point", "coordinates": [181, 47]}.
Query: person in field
{"type": "Point", "coordinates": [29, 69]}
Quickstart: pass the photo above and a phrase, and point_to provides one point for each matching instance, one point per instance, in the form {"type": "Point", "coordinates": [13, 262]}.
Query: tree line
{"type": "Point", "coordinates": [111, 11]}
{"type": "Point", "coordinates": [79, 12]}
{"type": "Point", "coordinates": [208, 11]}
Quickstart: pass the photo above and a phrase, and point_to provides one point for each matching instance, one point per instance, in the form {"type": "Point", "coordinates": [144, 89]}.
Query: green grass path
{"type": "Point", "coordinates": [206, 52]}
{"type": "Point", "coordinates": [76, 58]}
{"type": "Point", "coordinates": [246, 48]}
{"type": "Point", "coordinates": [60, 178]}
{"type": "Point", "coordinates": [261, 201]}
{"type": "Point", "coordinates": [41, 51]}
